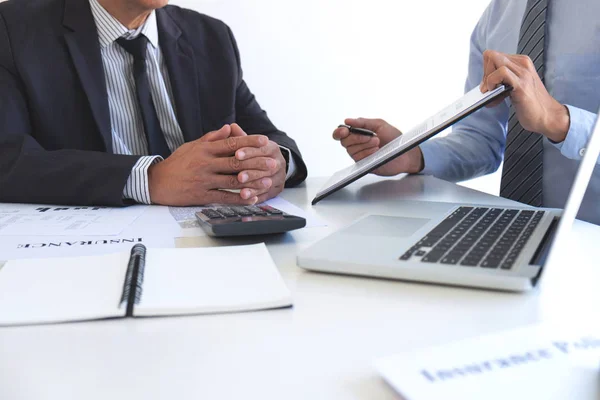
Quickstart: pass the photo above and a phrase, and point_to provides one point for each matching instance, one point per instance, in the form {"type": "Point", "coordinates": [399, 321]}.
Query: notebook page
{"type": "Point", "coordinates": [53, 290]}
{"type": "Point", "coordinates": [211, 280]}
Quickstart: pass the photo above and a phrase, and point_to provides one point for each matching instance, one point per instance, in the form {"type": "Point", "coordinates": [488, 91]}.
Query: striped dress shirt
{"type": "Point", "coordinates": [126, 118]}
{"type": "Point", "coordinates": [125, 115]}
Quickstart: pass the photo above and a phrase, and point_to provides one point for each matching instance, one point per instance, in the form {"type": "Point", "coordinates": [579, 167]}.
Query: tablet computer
{"type": "Point", "coordinates": [468, 104]}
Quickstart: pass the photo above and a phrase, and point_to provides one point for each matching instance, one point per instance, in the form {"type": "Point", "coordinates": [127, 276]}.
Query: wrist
{"type": "Point", "coordinates": [558, 123]}
{"type": "Point", "coordinates": [153, 184]}
{"type": "Point", "coordinates": [418, 161]}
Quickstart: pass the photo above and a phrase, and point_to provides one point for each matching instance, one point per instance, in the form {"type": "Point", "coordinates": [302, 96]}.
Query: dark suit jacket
{"type": "Point", "coordinates": [55, 130]}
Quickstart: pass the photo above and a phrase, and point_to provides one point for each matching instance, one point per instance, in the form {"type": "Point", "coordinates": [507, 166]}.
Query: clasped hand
{"type": "Point", "coordinates": [213, 168]}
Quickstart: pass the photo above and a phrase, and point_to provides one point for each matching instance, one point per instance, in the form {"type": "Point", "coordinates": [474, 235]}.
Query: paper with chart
{"type": "Point", "coordinates": [43, 220]}
{"type": "Point", "coordinates": [186, 216]}
{"type": "Point", "coordinates": [469, 103]}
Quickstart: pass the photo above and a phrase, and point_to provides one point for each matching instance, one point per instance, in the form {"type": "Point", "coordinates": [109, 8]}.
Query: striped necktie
{"type": "Point", "coordinates": [524, 154]}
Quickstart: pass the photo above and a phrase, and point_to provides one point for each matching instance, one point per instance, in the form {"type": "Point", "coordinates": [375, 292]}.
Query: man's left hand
{"type": "Point", "coordinates": [536, 109]}
{"type": "Point", "coordinates": [272, 177]}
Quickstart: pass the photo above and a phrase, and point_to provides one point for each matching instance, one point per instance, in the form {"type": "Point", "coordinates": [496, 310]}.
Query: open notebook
{"type": "Point", "coordinates": [143, 283]}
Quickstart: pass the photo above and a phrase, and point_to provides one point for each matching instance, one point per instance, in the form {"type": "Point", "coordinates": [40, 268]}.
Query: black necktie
{"type": "Point", "coordinates": [157, 145]}
{"type": "Point", "coordinates": [523, 169]}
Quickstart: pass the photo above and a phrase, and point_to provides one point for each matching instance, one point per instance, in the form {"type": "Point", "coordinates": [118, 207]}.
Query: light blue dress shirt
{"type": "Point", "coordinates": [476, 145]}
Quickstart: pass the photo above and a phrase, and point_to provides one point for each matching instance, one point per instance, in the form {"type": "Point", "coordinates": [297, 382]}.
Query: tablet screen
{"type": "Point", "coordinates": [469, 103]}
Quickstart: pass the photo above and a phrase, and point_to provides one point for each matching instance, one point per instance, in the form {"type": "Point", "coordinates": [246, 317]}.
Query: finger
{"type": "Point", "coordinates": [254, 175]}
{"type": "Point", "coordinates": [503, 75]}
{"type": "Point", "coordinates": [274, 187]}
{"type": "Point", "coordinates": [492, 61]}
{"type": "Point", "coordinates": [353, 150]}
{"type": "Point", "coordinates": [365, 123]}
{"type": "Point", "coordinates": [269, 194]}
{"type": "Point", "coordinates": [264, 197]}
{"type": "Point", "coordinates": [225, 197]}
{"type": "Point", "coordinates": [230, 145]}
{"type": "Point", "coordinates": [341, 133]}
{"type": "Point", "coordinates": [524, 63]}
{"type": "Point", "coordinates": [364, 154]}
{"type": "Point", "coordinates": [488, 68]}
{"type": "Point", "coordinates": [250, 193]}
{"type": "Point", "coordinates": [230, 165]}
{"type": "Point", "coordinates": [232, 182]}
{"type": "Point", "coordinates": [270, 150]}
{"type": "Point", "coordinates": [214, 136]}
{"type": "Point", "coordinates": [237, 131]}
{"type": "Point", "coordinates": [495, 61]}
{"type": "Point", "coordinates": [354, 140]}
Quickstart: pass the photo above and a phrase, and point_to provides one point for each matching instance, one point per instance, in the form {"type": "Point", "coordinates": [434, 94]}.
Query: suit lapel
{"type": "Point", "coordinates": [183, 75]}
{"type": "Point", "coordinates": [82, 41]}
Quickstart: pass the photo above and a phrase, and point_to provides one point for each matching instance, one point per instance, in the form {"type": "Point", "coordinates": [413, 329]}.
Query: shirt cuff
{"type": "Point", "coordinates": [137, 187]}
{"type": "Point", "coordinates": [432, 159]}
{"type": "Point", "coordinates": [291, 167]}
{"type": "Point", "coordinates": [582, 125]}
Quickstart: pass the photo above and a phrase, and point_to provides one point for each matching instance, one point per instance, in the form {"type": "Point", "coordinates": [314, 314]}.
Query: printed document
{"type": "Point", "coordinates": [541, 362]}
{"type": "Point", "coordinates": [43, 220]}
{"type": "Point", "coordinates": [24, 247]}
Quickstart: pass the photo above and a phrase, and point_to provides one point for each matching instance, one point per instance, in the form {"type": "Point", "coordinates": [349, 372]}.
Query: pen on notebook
{"type": "Point", "coordinates": [133, 285]}
{"type": "Point", "coordinates": [359, 131]}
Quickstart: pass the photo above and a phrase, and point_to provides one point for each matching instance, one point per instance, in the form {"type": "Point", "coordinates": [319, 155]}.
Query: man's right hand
{"type": "Point", "coordinates": [197, 172]}
{"type": "Point", "coordinates": [359, 146]}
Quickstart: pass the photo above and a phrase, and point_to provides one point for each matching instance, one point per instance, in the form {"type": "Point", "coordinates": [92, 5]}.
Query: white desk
{"type": "Point", "coordinates": [320, 349]}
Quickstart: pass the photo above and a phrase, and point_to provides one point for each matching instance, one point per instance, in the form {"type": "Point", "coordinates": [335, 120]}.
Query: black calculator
{"type": "Point", "coordinates": [224, 221]}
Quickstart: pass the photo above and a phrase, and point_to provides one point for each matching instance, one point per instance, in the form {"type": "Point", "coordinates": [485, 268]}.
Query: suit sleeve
{"type": "Point", "coordinates": [31, 174]}
{"type": "Point", "coordinates": [254, 120]}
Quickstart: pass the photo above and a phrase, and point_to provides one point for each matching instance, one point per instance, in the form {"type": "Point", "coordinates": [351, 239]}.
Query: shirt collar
{"type": "Point", "coordinates": [110, 29]}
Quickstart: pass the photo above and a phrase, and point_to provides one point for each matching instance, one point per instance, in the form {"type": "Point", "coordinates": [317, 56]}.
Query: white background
{"type": "Point", "coordinates": [312, 63]}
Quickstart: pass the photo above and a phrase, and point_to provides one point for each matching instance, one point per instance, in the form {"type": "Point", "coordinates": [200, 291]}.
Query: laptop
{"type": "Point", "coordinates": [456, 244]}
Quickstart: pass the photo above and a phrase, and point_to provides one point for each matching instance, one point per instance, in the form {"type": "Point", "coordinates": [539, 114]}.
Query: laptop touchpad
{"type": "Point", "coordinates": [379, 225]}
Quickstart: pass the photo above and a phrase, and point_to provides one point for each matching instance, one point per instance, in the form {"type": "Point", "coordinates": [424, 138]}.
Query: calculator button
{"type": "Point", "coordinates": [271, 210]}
{"type": "Point", "coordinates": [241, 211]}
{"type": "Point", "coordinates": [256, 210]}
{"type": "Point", "coordinates": [227, 212]}
{"type": "Point", "coordinates": [212, 214]}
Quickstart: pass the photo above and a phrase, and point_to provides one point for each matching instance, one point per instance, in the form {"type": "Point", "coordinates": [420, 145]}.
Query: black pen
{"type": "Point", "coordinates": [358, 131]}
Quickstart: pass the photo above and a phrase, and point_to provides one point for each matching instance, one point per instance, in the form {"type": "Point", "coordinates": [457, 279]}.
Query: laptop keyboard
{"type": "Point", "coordinates": [478, 237]}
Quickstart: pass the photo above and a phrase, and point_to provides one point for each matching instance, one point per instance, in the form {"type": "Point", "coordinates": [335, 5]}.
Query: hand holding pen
{"type": "Point", "coordinates": [362, 137]}
{"type": "Point", "coordinates": [358, 131]}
